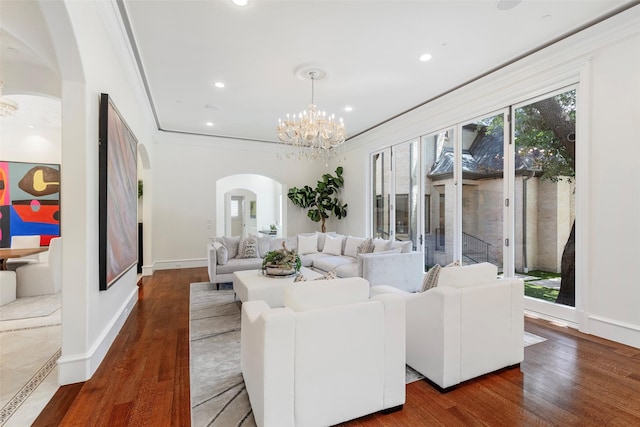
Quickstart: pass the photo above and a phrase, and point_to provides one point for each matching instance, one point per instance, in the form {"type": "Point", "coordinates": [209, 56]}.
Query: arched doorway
{"type": "Point", "coordinates": [265, 192]}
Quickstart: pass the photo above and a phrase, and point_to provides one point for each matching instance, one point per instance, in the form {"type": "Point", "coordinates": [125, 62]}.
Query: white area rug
{"type": "Point", "coordinates": [531, 339]}
{"type": "Point", "coordinates": [29, 307]}
{"type": "Point", "coordinates": [218, 394]}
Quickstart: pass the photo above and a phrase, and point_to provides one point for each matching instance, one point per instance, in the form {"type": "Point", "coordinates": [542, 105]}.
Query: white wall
{"type": "Point", "coordinates": [85, 38]}
{"type": "Point", "coordinates": [185, 171]}
{"type": "Point", "coordinates": [266, 191]}
{"type": "Point", "coordinates": [604, 61]}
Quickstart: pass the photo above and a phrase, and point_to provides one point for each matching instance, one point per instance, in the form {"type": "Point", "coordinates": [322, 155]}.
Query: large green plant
{"type": "Point", "coordinates": [321, 201]}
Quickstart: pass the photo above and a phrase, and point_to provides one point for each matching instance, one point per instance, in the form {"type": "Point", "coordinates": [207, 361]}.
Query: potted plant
{"type": "Point", "coordinates": [281, 262]}
{"type": "Point", "coordinates": [321, 201]}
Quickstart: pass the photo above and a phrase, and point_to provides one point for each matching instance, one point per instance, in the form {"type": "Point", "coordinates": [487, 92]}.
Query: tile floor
{"type": "Point", "coordinates": [28, 373]}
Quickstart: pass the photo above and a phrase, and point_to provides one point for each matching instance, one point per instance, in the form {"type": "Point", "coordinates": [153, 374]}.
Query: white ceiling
{"type": "Point", "coordinates": [369, 50]}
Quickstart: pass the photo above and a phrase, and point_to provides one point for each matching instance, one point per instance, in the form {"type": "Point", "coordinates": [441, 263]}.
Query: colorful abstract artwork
{"type": "Point", "coordinates": [118, 195]}
{"type": "Point", "coordinates": [29, 201]}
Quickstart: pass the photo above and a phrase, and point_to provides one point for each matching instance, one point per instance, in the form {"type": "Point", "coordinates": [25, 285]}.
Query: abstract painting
{"type": "Point", "coordinates": [29, 201]}
{"type": "Point", "coordinates": [118, 195]}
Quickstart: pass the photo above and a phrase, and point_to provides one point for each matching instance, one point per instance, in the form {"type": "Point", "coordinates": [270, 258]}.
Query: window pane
{"type": "Point", "coordinates": [483, 191]}
{"type": "Point", "coordinates": [381, 190]}
{"type": "Point", "coordinates": [437, 157]}
{"type": "Point", "coordinates": [545, 196]}
{"type": "Point", "coordinates": [406, 190]}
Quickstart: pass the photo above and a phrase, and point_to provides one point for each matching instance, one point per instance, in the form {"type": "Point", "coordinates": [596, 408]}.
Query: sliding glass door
{"type": "Point", "coordinates": [484, 191]}
{"type": "Point", "coordinates": [439, 197]}
{"type": "Point", "coordinates": [544, 158]}
{"type": "Point", "coordinates": [381, 174]}
{"type": "Point", "coordinates": [406, 185]}
{"type": "Point", "coordinates": [497, 189]}
{"type": "Point", "coordinates": [396, 184]}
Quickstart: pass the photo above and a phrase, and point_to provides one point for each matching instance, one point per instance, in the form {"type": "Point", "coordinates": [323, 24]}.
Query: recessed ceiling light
{"type": "Point", "coordinates": [425, 57]}
{"type": "Point", "coordinates": [31, 126]}
{"type": "Point", "coordinates": [219, 85]}
{"type": "Point", "coordinates": [507, 4]}
{"type": "Point", "coordinates": [240, 2]}
{"type": "Point", "coordinates": [348, 108]}
{"type": "Point", "coordinates": [209, 124]}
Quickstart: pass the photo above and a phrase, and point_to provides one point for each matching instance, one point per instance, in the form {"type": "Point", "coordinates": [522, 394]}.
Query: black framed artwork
{"type": "Point", "coordinates": [118, 195]}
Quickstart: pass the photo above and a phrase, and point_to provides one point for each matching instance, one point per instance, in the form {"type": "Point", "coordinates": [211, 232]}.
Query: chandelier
{"type": "Point", "coordinates": [7, 106]}
{"type": "Point", "coordinates": [311, 134]}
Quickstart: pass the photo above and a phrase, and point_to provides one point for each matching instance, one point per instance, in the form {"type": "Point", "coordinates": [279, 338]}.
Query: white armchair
{"type": "Point", "coordinates": [41, 278]}
{"type": "Point", "coordinates": [471, 324]}
{"type": "Point", "coordinates": [328, 356]}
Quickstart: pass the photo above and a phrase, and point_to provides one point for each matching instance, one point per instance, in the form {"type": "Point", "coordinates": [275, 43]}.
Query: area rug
{"type": "Point", "coordinates": [29, 307]}
{"type": "Point", "coordinates": [218, 394]}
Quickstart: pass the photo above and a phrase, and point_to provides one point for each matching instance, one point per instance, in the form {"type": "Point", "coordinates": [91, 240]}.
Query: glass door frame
{"type": "Point", "coordinates": [545, 309]}
{"type": "Point", "coordinates": [392, 151]}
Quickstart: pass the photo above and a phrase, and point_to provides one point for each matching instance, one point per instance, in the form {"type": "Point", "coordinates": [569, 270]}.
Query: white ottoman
{"type": "Point", "coordinates": [251, 285]}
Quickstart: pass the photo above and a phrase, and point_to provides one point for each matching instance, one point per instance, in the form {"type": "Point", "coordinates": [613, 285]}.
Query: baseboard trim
{"type": "Point", "coordinates": [174, 264]}
{"type": "Point", "coordinates": [613, 330]}
{"type": "Point", "coordinates": [81, 367]}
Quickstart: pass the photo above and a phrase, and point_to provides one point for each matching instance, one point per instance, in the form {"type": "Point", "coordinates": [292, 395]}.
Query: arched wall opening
{"type": "Point", "coordinates": [268, 207]}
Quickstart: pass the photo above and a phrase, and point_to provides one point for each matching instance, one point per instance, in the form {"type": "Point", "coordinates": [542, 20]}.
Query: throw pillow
{"type": "Point", "coordinates": [431, 278]}
{"type": "Point", "coordinates": [321, 238]}
{"type": "Point", "coordinates": [327, 276]}
{"type": "Point", "coordinates": [405, 247]}
{"type": "Point", "coordinates": [366, 247]}
{"type": "Point", "coordinates": [380, 245]}
{"type": "Point", "coordinates": [333, 245]}
{"type": "Point", "coordinates": [222, 254]}
{"type": "Point", "coordinates": [231, 243]}
{"type": "Point", "coordinates": [247, 248]}
{"type": "Point", "coordinates": [351, 247]}
{"type": "Point", "coordinates": [300, 278]}
{"type": "Point", "coordinates": [307, 244]}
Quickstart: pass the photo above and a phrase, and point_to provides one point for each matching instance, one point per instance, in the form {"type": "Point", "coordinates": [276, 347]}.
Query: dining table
{"type": "Point", "coordinates": [7, 253]}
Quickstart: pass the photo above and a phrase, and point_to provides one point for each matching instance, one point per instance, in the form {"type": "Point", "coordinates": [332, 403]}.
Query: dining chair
{"type": "Point", "coordinates": [41, 278]}
{"type": "Point", "coordinates": [23, 242]}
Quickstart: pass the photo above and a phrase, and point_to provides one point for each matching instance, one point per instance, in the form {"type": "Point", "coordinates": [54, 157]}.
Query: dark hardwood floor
{"type": "Point", "coordinates": [572, 379]}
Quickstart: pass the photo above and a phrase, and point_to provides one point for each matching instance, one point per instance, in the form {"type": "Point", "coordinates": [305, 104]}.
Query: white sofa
{"type": "Point", "coordinates": [470, 324]}
{"type": "Point", "coordinates": [329, 356]}
{"type": "Point", "coordinates": [391, 263]}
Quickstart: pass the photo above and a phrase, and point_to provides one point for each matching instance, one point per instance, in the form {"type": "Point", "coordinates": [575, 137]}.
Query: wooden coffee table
{"type": "Point", "coordinates": [250, 285]}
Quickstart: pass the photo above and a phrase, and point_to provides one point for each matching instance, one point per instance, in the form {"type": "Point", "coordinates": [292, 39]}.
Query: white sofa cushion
{"type": "Point", "coordinates": [222, 254]}
{"type": "Point", "coordinates": [351, 247]}
{"type": "Point", "coordinates": [322, 237]}
{"type": "Point", "coordinates": [405, 247]}
{"type": "Point", "coordinates": [232, 244]}
{"type": "Point", "coordinates": [333, 245]}
{"type": "Point", "coordinates": [329, 263]}
{"type": "Point", "coordinates": [307, 244]}
{"type": "Point", "coordinates": [380, 245]}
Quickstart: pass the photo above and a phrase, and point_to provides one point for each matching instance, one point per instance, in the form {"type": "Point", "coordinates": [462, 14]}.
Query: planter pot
{"type": "Point", "coordinates": [279, 271]}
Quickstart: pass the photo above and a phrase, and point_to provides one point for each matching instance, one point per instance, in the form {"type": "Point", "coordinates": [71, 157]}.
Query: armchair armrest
{"type": "Point", "coordinates": [394, 348]}
{"type": "Point", "coordinates": [386, 289]}
{"type": "Point", "coordinates": [433, 334]}
{"type": "Point", "coordinates": [267, 361]}
{"type": "Point", "coordinates": [212, 261]}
